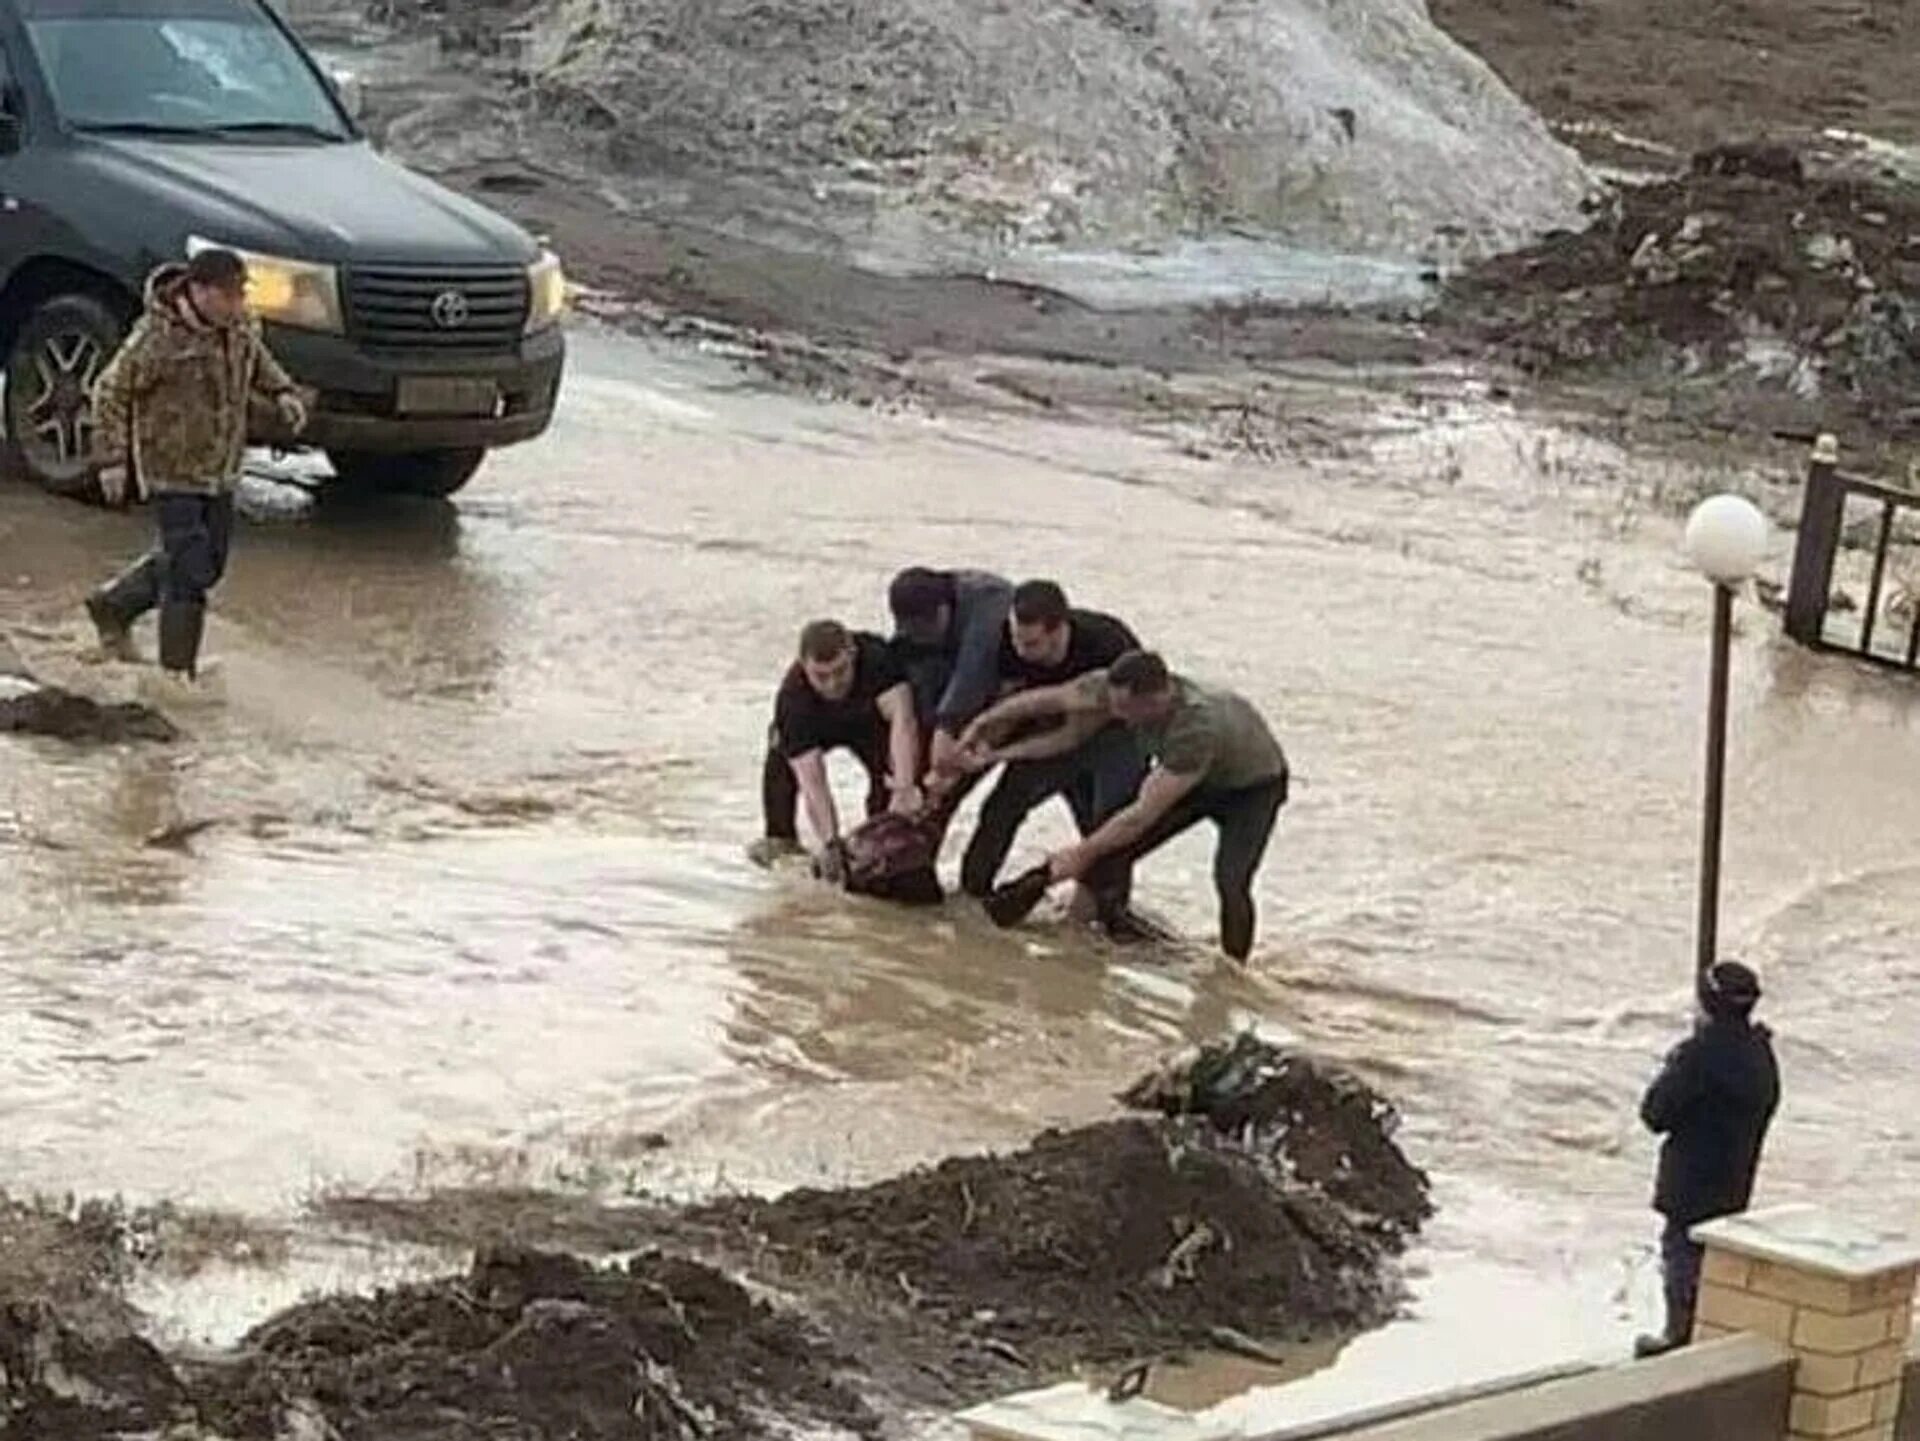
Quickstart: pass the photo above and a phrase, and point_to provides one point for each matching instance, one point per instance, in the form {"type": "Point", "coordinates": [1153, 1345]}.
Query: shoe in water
{"type": "Point", "coordinates": [769, 851]}
{"type": "Point", "coordinates": [1013, 902]}
{"type": "Point", "coordinates": [116, 640]}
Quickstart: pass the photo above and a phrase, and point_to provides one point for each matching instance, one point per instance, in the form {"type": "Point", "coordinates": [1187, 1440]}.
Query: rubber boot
{"type": "Point", "coordinates": [182, 681]}
{"type": "Point", "coordinates": [115, 635]}
{"type": "Point", "coordinates": [181, 625]}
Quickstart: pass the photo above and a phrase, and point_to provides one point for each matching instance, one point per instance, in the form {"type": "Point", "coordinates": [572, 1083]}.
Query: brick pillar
{"type": "Point", "coordinates": [1839, 1297]}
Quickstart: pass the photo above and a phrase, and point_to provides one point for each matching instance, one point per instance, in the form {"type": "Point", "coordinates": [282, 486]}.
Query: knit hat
{"type": "Point", "coordinates": [1729, 989]}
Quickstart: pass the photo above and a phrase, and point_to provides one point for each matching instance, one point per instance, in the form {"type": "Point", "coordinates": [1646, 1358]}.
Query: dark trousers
{"type": "Point", "coordinates": [1245, 819]}
{"type": "Point", "coordinates": [780, 791]}
{"type": "Point", "coordinates": [196, 533]}
{"type": "Point", "coordinates": [1096, 780]}
{"type": "Point", "coordinates": [1680, 1259]}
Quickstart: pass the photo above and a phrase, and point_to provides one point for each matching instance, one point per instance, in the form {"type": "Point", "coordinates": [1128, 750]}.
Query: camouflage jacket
{"type": "Point", "coordinates": [172, 403]}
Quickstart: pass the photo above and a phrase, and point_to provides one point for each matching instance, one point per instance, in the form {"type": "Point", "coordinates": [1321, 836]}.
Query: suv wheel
{"type": "Point", "coordinates": [63, 346]}
{"type": "Point", "coordinates": [437, 473]}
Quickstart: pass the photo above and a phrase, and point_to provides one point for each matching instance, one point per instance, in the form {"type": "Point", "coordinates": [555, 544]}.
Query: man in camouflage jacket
{"type": "Point", "coordinates": [170, 418]}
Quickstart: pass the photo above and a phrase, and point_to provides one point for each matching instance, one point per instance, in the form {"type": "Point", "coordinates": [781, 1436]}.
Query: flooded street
{"type": "Point", "coordinates": [475, 909]}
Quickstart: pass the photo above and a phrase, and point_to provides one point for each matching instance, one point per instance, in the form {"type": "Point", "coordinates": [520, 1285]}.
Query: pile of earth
{"type": "Point", "coordinates": [30, 706]}
{"type": "Point", "coordinates": [1749, 269]}
{"type": "Point", "coordinates": [1260, 1206]}
{"type": "Point", "coordinates": [913, 125]}
{"type": "Point", "coordinates": [1261, 1202]}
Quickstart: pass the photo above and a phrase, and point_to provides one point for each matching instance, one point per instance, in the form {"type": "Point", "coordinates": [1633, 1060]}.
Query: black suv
{"type": "Point", "coordinates": [133, 132]}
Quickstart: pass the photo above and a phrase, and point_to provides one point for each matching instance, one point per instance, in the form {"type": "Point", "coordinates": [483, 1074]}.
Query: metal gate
{"type": "Point", "coordinates": [1845, 519]}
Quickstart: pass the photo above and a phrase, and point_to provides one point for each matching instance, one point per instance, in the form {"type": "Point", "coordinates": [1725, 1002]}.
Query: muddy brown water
{"type": "Point", "coordinates": [474, 908]}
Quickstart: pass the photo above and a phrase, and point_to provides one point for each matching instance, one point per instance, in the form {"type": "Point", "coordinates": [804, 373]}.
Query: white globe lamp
{"type": "Point", "coordinates": [1726, 539]}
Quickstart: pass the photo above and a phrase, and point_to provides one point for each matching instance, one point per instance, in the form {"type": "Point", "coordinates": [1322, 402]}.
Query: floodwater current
{"type": "Point", "coordinates": [473, 905]}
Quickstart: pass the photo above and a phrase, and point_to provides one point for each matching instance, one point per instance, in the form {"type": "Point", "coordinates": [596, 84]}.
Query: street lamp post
{"type": "Point", "coordinates": [1726, 540]}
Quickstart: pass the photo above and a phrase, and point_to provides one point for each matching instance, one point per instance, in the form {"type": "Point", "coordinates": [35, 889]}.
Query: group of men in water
{"type": "Point", "coordinates": [981, 675]}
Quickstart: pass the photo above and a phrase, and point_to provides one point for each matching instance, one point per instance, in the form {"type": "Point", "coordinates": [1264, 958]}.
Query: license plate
{"type": "Point", "coordinates": [447, 395]}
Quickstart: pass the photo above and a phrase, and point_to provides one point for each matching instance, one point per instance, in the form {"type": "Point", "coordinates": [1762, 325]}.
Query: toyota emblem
{"type": "Point", "coordinates": [449, 310]}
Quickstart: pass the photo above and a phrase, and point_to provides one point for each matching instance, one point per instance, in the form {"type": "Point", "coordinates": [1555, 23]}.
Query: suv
{"type": "Point", "coordinates": [134, 132]}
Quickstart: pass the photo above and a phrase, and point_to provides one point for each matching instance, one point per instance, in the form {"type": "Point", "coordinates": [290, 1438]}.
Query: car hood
{"type": "Point", "coordinates": [314, 202]}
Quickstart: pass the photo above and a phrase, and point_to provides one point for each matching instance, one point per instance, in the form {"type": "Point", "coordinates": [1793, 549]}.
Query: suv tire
{"type": "Point", "coordinates": [436, 473]}
{"type": "Point", "coordinates": [61, 348]}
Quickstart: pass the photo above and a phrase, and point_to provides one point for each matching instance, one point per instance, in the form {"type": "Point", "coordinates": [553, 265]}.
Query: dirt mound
{"type": "Point", "coordinates": [537, 1346]}
{"type": "Point", "coordinates": [48, 710]}
{"type": "Point", "coordinates": [1353, 126]}
{"type": "Point", "coordinates": [59, 1382]}
{"type": "Point", "coordinates": [1261, 1206]}
{"type": "Point", "coordinates": [1325, 1128]}
{"type": "Point", "coordinates": [1745, 267]}
{"type": "Point", "coordinates": [1270, 1215]}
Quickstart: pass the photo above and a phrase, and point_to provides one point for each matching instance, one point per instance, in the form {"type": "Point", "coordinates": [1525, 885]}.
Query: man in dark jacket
{"type": "Point", "coordinates": [1094, 762]}
{"type": "Point", "coordinates": [1713, 1101]}
{"type": "Point", "coordinates": [843, 691]}
{"type": "Point", "coordinates": [947, 627]}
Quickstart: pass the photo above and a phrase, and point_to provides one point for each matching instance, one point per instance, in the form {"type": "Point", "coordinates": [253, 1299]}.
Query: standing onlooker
{"type": "Point", "coordinates": [170, 417]}
{"type": "Point", "coordinates": [1713, 1101]}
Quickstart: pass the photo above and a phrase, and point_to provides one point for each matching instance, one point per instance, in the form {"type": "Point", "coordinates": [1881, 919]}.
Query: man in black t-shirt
{"type": "Point", "coordinates": [1097, 766]}
{"type": "Point", "coordinates": [846, 691]}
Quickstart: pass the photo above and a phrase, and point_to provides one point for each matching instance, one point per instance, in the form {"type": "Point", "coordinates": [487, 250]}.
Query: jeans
{"type": "Point", "coordinates": [780, 791]}
{"type": "Point", "coordinates": [196, 534]}
{"type": "Point", "coordinates": [1245, 818]}
{"type": "Point", "coordinates": [1097, 779]}
{"type": "Point", "coordinates": [1680, 1259]}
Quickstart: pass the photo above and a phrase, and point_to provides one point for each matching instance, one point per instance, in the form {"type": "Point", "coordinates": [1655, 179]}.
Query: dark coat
{"type": "Point", "coordinates": [1713, 1101]}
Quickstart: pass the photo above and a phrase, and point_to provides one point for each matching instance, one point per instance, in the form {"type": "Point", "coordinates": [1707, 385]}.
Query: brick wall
{"type": "Point", "coordinates": [1851, 1337]}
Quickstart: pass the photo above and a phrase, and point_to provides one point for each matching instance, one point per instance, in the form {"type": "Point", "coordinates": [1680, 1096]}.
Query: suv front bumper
{"type": "Point", "coordinates": [353, 394]}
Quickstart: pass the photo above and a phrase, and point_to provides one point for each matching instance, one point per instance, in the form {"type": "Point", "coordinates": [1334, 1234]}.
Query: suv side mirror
{"type": "Point", "coordinates": [349, 91]}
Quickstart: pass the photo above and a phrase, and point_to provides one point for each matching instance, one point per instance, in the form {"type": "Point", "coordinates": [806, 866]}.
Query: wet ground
{"type": "Point", "coordinates": [472, 908]}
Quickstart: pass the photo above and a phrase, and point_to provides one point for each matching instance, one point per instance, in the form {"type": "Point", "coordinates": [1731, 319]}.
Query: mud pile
{"type": "Point", "coordinates": [1259, 1207]}
{"type": "Point", "coordinates": [29, 706]}
{"type": "Point", "coordinates": [1746, 268]}
{"type": "Point", "coordinates": [49, 710]}
{"type": "Point", "coordinates": [1356, 126]}
{"type": "Point", "coordinates": [537, 1346]}
{"type": "Point", "coordinates": [1265, 1204]}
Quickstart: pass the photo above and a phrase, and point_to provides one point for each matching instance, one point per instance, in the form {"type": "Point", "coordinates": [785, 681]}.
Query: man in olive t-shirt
{"type": "Point", "coordinates": [1214, 759]}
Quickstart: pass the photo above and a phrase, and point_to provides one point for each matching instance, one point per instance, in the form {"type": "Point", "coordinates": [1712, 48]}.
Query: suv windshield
{"type": "Point", "coordinates": [203, 67]}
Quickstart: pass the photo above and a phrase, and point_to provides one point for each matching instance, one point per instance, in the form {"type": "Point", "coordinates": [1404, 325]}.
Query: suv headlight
{"type": "Point", "coordinates": [547, 292]}
{"type": "Point", "coordinates": [295, 293]}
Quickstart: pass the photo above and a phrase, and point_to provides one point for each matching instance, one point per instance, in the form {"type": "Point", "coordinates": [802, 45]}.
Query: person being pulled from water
{"type": "Point", "coordinates": [170, 419]}
{"type": "Point", "coordinates": [1713, 1101]}
{"type": "Point", "coordinates": [1092, 760]}
{"type": "Point", "coordinates": [846, 690]}
{"type": "Point", "coordinates": [1215, 759]}
{"type": "Point", "coordinates": [947, 629]}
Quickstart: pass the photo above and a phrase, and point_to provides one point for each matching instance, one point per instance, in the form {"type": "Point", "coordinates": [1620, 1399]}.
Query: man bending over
{"type": "Point", "coordinates": [1214, 760]}
{"type": "Point", "coordinates": [845, 691]}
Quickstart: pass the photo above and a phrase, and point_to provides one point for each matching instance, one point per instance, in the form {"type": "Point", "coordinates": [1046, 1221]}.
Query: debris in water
{"type": "Point", "coordinates": [50, 710]}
